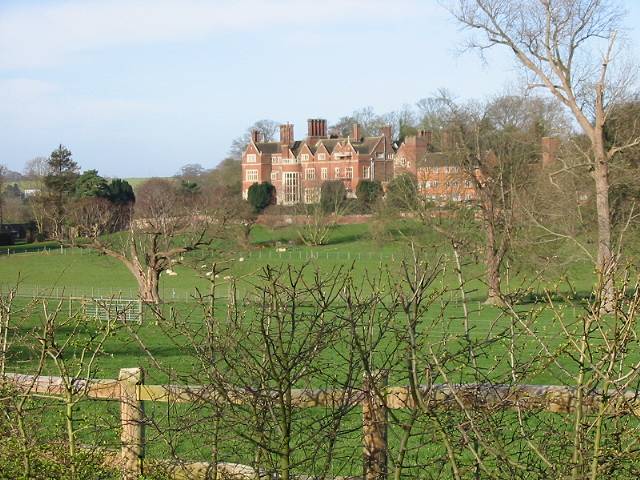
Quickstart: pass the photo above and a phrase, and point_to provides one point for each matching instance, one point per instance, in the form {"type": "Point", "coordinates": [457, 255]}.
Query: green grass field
{"type": "Point", "coordinates": [77, 272]}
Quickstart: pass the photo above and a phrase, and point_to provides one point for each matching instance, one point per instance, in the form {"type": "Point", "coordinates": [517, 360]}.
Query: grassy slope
{"type": "Point", "coordinates": [350, 245]}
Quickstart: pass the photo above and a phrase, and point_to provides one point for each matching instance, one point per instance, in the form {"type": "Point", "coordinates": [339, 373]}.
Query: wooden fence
{"type": "Point", "coordinates": [375, 398]}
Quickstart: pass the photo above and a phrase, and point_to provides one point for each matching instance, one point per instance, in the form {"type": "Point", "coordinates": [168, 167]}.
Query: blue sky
{"type": "Point", "coordinates": [142, 87]}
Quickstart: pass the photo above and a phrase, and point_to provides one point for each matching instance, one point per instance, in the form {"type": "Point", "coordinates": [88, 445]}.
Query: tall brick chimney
{"type": "Point", "coordinates": [255, 136]}
{"type": "Point", "coordinates": [386, 132]}
{"type": "Point", "coordinates": [426, 135]}
{"type": "Point", "coordinates": [446, 140]}
{"type": "Point", "coordinates": [356, 132]}
{"type": "Point", "coordinates": [550, 146]}
{"type": "Point", "coordinates": [286, 134]}
{"type": "Point", "coordinates": [316, 128]}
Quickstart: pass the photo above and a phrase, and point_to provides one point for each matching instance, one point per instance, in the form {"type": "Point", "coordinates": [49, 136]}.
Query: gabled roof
{"type": "Point", "coordinates": [329, 143]}
{"type": "Point", "coordinates": [367, 145]}
{"type": "Point", "coordinates": [268, 147]}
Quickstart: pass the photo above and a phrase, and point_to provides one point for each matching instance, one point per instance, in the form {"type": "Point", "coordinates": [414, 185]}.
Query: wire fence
{"type": "Point", "coordinates": [290, 253]}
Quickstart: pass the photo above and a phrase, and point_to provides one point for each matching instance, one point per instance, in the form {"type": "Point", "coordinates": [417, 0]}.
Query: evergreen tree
{"type": "Point", "coordinates": [261, 195]}
{"type": "Point", "coordinates": [90, 184]}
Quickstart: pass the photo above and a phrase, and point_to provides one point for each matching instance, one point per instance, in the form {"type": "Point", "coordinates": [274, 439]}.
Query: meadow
{"type": "Point", "coordinates": [166, 355]}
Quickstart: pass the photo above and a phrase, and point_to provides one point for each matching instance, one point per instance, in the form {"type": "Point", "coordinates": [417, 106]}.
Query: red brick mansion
{"type": "Point", "coordinates": [297, 168]}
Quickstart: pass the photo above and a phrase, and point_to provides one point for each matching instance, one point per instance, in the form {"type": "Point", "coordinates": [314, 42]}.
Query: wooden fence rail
{"type": "Point", "coordinates": [375, 397]}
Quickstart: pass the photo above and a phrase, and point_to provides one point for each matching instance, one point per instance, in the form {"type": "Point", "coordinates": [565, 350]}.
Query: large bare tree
{"type": "Point", "coordinates": [166, 226]}
{"type": "Point", "coordinates": [567, 47]}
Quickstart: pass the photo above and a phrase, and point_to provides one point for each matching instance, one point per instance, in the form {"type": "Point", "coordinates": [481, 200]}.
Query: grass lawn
{"type": "Point", "coordinates": [79, 272]}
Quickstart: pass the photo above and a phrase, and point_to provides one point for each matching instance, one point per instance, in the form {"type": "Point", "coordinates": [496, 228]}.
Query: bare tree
{"type": "Point", "coordinates": [557, 43]}
{"type": "Point", "coordinates": [36, 169]}
{"type": "Point", "coordinates": [267, 129]}
{"type": "Point", "coordinates": [166, 226]}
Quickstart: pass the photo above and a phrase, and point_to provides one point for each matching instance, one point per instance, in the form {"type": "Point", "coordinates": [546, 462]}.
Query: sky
{"type": "Point", "coordinates": [139, 88]}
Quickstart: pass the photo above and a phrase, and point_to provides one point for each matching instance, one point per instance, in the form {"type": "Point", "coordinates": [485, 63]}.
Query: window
{"type": "Point", "coordinates": [252, 175]}
{"type": "Point", "coordinates": [274, 176]}
{"type": "Point", "coordinates": [310, 174]}
{"type": "Point", "coordinates": [304, 157]}
{"type": "Point", "coordinates": [402, 161]}
{"type": "Point", "coordinates": [311, 195]}
{"type": "Point", "coordinates": [467, 183]}
{"type": "Point", "coordinates": [290, 180]}
{"type": "Point", "coordinates": [366, 172]}
{"type": "Point", "coordinates": [276, 159]}
{"type": "Point", "coordinates": [251, 158]}
{"type": "Point", "coordinates": [435, 169]}
{"type": "Point", "coordinates": [381, 155]}
{"type": "Point", "coordinates": [434, 183]}
{"type": "Point", "coordinates": [321, 156]}
{"type": "Point", "coordinates": [349, 172]}
{"type": "Point", "coordinates": [324, 173]}
{"type": "Point", "coordinates": [336, 172]}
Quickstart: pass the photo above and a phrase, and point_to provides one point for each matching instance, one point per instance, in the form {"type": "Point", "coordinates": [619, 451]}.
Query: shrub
{"type": "Point", "coordinates": [6, 238]}
{"type": "Point", "coordinates": [261, 195]}
{"type": "Point", "coordinates": [368, 192]}
{"type": "Point", "coordinates": [332, 196]}
{"type": "Point", "coordinates": [402, 192]}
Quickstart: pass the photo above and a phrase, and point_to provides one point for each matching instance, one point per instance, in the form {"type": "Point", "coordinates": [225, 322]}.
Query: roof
{"type": "Point", "coordinates": [268, 147]}
{"type": "Point", "coordinates": [366, 146]}
{"type": "Point", "coordinates": [436, 159]}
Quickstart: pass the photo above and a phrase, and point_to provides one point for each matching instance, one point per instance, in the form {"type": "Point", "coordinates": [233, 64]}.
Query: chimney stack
{"type": "Point", "coordinates": [286, 134]}
{"type": "Point", "coordinates": [386, 132]}
{"type": "Point", "coordinates": [446, 141]}
{"type": "Point", "coordinates": [356, 132]}
{"type": "Point", "coordinates": [426, 135]}
{"type": "Point", "coordinates": [255, 136]}
{"type": "Point", "coordinates": [550, 146]}
{"type": "Point", "coordinates": [316, 128]}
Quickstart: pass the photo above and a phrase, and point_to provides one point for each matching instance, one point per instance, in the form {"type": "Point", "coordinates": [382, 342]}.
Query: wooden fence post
{"type": "Point", "coordinates": [132, 422]}
{"type": "Point", "coordinates": [374, 426]}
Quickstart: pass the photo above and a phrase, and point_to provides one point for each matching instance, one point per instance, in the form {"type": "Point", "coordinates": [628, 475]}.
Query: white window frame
{"type": "Point", "coordinates": [366, 172]}
{"type": "Point", "coordinates": [274, 176]}
{"type": "Point", "coordinates": [291, 187]}
{"type": "Point", "coordinates": [310, 174]}
{"type": "Point", "coordinates": [348, 172]}
{"type": "Point", "coordinates": [252, 175]}
{"type": "Point", "coordinates": [304, 157]}
{"type": "Point", "coordinates": [251, 158]}
{"type": "Point", "coordinates": [322, 156]}
{"type": "Point", "coordinates": [336, 172]}
{"type": "Point", "coordinates": [324, 173]}
{"type": "Point", "coordinates": [311, 195]}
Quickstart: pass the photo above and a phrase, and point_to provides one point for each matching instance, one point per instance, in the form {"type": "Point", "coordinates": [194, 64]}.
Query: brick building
{"type": "Point", "coordinates": [439, 177]}
{"type": "Point", "coordinates": [297, 168]}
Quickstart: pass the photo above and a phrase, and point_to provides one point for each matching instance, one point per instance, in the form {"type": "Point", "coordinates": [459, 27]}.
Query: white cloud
{"type": "Point", "coordinates": [47, 34]}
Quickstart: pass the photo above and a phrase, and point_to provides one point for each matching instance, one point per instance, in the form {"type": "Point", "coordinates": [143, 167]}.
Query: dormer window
{"type": "Point", "coordinates": [304, 157]}
{"type": "Point", "coordinates": [321, 156]}
{"type": "Point", "coordinates": [251, 158]}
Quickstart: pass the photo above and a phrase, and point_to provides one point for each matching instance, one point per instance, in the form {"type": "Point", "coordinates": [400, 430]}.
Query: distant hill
{"type": "Point", "coordinates": [11, 176]}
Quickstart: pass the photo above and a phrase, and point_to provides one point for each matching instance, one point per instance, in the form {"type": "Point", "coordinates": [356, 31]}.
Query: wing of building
{"type": "Point", "coordinates": [297, 168]}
